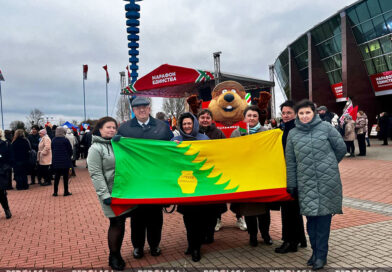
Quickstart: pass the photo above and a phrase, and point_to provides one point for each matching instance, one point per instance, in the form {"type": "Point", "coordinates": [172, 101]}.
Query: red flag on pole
{"type": "Point", "coordinates": [1, 77]}
{"type": "Point", "coordinates": [105, 67]}
{"type": "Point", "coordinates": [85, 69]}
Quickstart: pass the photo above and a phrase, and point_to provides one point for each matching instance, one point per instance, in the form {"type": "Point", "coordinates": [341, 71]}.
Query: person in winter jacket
{"type": "Point", "coordinates": [292, 223]}
{"type": "Point", "coordinates": [328, 116]}
{"type": "Point", "coordinates": [383, 123]}
{"type": "Point", "coordinates": [5, 164]}
{"type": "Point", "coordinates": [61, 160]}
{"type": "Point", "coordinates": [101, 166]}
{"type": "Point", "coordinates": [20, 150]}
{"type": "Point", "coordinates": [349, 135]}
{"type": "Point", "coordinates": [256, 214]}
{"type": "Point", "coordinates": [72, 140]}
{"type": "Point", "coordinates": [361, 129]}
{"type": "Point", "coordinates": [313, 150]}
{"type": "Point", "coordinates": [33, 138]}
{"type": "Point", "coordinates": [197, 218]}
{"type": "Point", "coordinates": [44, 158]}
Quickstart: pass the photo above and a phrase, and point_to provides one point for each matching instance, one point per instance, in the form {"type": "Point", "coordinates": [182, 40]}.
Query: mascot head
{"type": "Point", "coordinates": [228, 102]}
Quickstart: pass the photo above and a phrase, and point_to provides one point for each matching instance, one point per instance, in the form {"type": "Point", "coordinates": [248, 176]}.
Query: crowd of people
{"type": "Point", "coordinates": [44, 154]}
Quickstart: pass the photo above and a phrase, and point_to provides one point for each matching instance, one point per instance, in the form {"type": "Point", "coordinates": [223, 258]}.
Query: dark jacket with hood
{"type": "Point", "coordinates": [194, 136]}
{"type": "Point", "coordinates": [5, 164]}
{"type": "Point", "coordinates": [34, 141]}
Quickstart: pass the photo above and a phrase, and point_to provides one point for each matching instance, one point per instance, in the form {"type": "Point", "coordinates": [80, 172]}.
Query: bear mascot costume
{"type": "Point", "coordinates": [228, 104]}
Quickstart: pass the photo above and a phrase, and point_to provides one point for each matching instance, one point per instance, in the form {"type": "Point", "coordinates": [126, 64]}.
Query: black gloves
{"type": "Point", "coordinates": [116, 138]}
{"type": "Point", "coordinates": [293, 192]}
{"type": "Point", "coordinates": [107, 201]}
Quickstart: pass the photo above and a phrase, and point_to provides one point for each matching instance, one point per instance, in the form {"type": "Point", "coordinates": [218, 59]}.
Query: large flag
{"type": "Point", "coordinates": [1, 76]}
{"type": "Point", "coordinates": [105, 67]}
{"type": "Point", "coordinates": [249, 168]}
{"type": "Point", "coordinates": [85, 70]}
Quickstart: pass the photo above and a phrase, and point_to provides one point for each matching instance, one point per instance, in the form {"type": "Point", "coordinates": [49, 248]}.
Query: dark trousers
{"type": "Point", "coordinates": [20, 176]}
{"type": "Point", "coordinates": [361, 144]}
{"type": "Point", "coordinates": [194, 229]}
{"type": "Point", "coordinates": [43, 173]}
{"type": "Point", "coordinates": [292, 223]}
{"type": "Point", "coordinates": [146, 218]}
{"type": "Point", "coordinates": [9, 178]}
{"type": "Point", "coordinates": [209, 218]}
{"type": "Point", "coordinates": [57, 174]}
{"type": "Point", "coordinates": [318, 230]}
{"type": "Point", "coordinates": [34, 173]}
{"type": "Point", "coordinates": [4, 199]}
{"type": "Point", "coordinates": [263, 222]}
{"type": "Point", "coordinates": [350, 146]}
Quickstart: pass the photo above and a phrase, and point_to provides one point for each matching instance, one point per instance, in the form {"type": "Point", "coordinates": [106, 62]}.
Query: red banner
{"type": "Point", "coordinates": [337, 90]}
{"type": "Point", "coordinates": [169, 75]}
{"type": "Point", "coordinates": [382, 82]}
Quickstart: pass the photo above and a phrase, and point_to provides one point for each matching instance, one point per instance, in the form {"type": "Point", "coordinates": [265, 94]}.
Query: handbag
{"type": "Point", "coordinates": [32, 155]}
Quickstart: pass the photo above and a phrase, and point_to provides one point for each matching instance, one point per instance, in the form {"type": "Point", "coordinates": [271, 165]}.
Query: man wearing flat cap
{"type": "Point", "coordinates": [328, 116]}
{"type": "Point", "coordinates": [145, 218]}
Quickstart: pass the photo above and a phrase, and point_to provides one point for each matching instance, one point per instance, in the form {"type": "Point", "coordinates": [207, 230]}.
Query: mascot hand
{"type": "Point", "coordinates": [263, 100]}
{"type": "Point", "coordinates": [194, 103]}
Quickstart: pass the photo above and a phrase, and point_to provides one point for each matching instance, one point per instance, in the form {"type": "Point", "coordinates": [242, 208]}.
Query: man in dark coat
{"type": "Point", "coordinates": [5, 165]}
{"type": "Point", "coordinates": [292, 223]}
{"type": "Point", "coordinates": [145, 217]}
{"type": "Point", "coordinates": [33, 138]}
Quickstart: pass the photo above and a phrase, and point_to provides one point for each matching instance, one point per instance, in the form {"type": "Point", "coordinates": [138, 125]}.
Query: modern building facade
{"type": "Point", "coordinates": [349, 55]}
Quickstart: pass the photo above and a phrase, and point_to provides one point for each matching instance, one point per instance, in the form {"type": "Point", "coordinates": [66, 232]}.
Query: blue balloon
{"type": "Point", "coordinates": [134, 67]}
{"type": "Point", "coordinates": [133, 22]}
{"type": "Point", "coordinates": [133, 60]}
{"type": "Point", "coordinates": [133, 52]}
{"type": "Point", "coordinates": [133, 30]}
{"type": "Point", "coordinates": [132, 7]}
{"type": "Point", "coordinates": [133, 45]}
{"type": "Point", "coordinates": [132, 15]}
{"type": "Point", "coordinates": [133, 37]}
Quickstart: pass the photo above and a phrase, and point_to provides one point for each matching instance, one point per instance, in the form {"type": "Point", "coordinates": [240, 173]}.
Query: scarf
{"type": "Point", "coordinates": [255, 128]}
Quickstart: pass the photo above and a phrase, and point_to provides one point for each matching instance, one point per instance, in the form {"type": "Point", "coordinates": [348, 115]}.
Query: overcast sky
{"type": "Point", "coordinates": [44, 43]}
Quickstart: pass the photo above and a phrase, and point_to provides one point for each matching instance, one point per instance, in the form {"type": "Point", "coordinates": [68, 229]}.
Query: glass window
{"type": "Point", "coordinates": [380, 64]}
{"type": "Point", "coordinates": [388, 59]}
{"type": "Point", "coordinates": [337, 60]}
{"type": "Point", "coordinates": [365, 51]}
{"type": "Point", "coordinates": [380, 26]}
{"type": "Point", "coordinates": [330, 77]}
{"type": "Point", "coordinates": [362, 12]}
{"type": "Point", "coordinates": [374, 7]}
{"type": "Point", "coordinates": [352, 16]}
{"type": "Point", "coordinates": [338, 43]}
{"type": "Point", "coordinates": [375, 48]}
{"type": "Point", "coordinates": [368, 31]}
{"type": "Point", "coordinates": [388, 20]}
{"type": "Point", "coordinates": [358, 34]}
{"type": "Point", "coordinates": [385, 5]}
{"type": "Point", "coordinates": [386, 44]}
{"type": "Point", "coordinates": [304, 74]}
{"type": "Point", "coordinates": [302, 60]}
{"type": "Point", "coordinates": [370, 67]}
{"type": "Point", "coordinates": [328, 64]}
{"type": "Point", "coordinates": [300, 46]}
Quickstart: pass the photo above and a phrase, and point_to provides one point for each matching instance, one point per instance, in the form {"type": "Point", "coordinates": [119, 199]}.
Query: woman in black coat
{"type": "Point", "coordinates": [20, 151]}
{"type": "Point", "coordinates": [5, 165]}
{"type": "Point", "coordinates": [61, 159]}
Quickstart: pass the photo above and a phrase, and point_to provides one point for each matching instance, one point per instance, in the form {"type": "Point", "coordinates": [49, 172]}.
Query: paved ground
{"type": "Point", "coordinates": [70, 232]}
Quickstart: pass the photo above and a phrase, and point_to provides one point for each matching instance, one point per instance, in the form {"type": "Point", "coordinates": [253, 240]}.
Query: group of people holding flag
{"type": "Point", "coordinates": [313, 149]}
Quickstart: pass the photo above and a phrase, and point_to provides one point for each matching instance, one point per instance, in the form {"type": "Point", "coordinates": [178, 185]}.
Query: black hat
{"type": "Point", "coordinates": [140, 101]}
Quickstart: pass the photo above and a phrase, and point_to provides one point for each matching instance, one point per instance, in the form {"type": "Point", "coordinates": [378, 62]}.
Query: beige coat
{"type": "Point", "coordinates": [349, 131]}
{"type": "Point", "coordinates": [44, 155]}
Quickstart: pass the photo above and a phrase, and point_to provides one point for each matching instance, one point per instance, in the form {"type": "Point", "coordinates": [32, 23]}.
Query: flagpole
{"type": "Point", "coordinates": [1, 101]}
{"type": "Point", "coordinates": [107, 109]}
{"type": "Point", "coordinates": [84, 99]}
